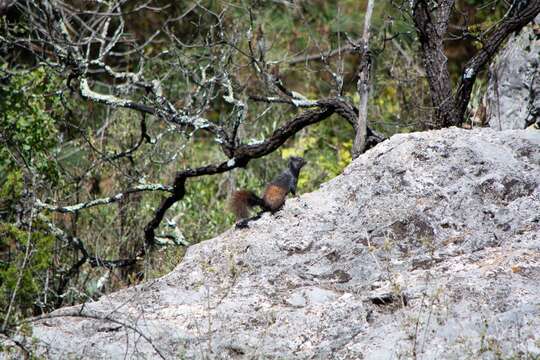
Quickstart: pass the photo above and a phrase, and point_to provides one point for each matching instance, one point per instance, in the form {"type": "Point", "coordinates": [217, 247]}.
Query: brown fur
{"type": "Point", "coordinates": [241, 201]}
{"type": "Point", "coordinates": [274, 197]}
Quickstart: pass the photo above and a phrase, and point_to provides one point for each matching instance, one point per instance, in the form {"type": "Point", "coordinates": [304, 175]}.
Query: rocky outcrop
{"type": "Point", "coordinates": [428, 246]}
{"type": "Point", "coordinates": [513, 96]}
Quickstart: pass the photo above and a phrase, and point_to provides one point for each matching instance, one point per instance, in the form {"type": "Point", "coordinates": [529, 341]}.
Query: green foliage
{"type": "Point", "coordinates": [25, 256]}
{"type": "Point", "coordinates": [28, 106]}
{"type": "Point", "coordinates": [13, 185]}
{"type": "Point", "coordinates": [10, 192]}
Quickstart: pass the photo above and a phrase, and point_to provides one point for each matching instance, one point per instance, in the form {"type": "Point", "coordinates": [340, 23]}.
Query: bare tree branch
{"type": "Point", "coordinates": [103, 201]}
{"type": "Point", "coordinates": [323, 56]}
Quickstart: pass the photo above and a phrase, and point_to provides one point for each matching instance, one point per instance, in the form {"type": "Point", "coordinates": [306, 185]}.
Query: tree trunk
{"type": "Point", "coordinates": [364, 77]}
{"type": "Point", "coordinates": [431, 25]}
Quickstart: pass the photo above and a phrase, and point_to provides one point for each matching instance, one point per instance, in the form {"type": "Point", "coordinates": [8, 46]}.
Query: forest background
{"type": "Point", "coordinates": [59, 149]}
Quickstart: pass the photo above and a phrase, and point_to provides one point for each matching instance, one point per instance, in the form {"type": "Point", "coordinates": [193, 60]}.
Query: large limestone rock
{"type": "Point", "coordinates": [513, 96]}
{"type": "Point", "coordinates": [428, 246]}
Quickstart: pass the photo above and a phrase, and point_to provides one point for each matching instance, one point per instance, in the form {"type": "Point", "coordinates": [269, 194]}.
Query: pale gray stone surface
{"type": "Point", "coordinates": [427, 246]}
{"type": "Point", "coordinates": [513, 96]}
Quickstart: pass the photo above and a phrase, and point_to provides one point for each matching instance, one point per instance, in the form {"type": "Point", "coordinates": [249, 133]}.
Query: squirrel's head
{"type": "Point", "coordinates": [296, 162]}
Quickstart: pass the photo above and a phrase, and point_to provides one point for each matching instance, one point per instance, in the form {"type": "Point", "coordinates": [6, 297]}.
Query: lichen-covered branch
{"type": "Point", "coordinates": [103, 201]}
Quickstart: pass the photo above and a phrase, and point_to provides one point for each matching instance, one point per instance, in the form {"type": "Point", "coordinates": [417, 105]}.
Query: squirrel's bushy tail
{"type": "Point", "coordinates": [241, 201]}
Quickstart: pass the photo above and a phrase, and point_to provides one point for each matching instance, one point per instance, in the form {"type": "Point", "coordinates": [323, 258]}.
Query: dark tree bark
{"type": "Point", "coordinates": [431, 22]}
{"type": "Point", "coordinates": [520, 14]}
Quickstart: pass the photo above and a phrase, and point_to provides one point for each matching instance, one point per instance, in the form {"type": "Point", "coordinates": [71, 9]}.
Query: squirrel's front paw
{"type": "Point", "coordinates": [242, 224]}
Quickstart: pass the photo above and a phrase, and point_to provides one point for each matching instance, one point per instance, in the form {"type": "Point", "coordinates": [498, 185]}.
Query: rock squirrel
{"type": "Point", "coordinates": [274, 194]}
